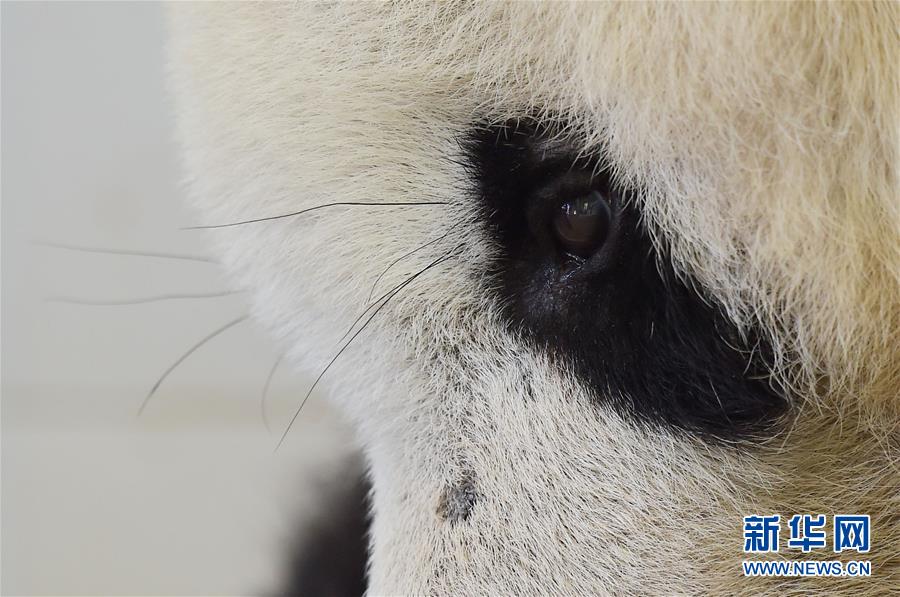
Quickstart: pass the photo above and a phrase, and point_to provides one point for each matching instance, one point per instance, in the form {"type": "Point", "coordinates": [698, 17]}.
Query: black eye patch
{"type": "Point", "coordinates": [578, 275]}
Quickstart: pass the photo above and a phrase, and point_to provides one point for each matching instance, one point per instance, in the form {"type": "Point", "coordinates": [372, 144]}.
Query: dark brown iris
{"type": "Point", "coordinates": [582, 225]}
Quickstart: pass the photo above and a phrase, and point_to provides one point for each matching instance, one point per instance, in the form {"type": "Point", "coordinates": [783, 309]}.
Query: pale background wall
{"type": "Point", "coordinates": [188, 498]}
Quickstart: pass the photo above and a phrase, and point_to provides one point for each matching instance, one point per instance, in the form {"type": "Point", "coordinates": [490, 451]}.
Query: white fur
{"type": "Point", "coordinates": [765, 136]}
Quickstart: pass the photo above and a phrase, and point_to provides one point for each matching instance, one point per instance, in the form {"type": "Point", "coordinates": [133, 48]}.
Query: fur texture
{"type": "Point", "coordinates": [764, 139]}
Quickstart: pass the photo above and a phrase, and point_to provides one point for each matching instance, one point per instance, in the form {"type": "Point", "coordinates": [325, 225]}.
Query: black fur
{"type": "Point", "coordinates": [622, 320]}
{"type": "Point", "coordinates": [331, 557]}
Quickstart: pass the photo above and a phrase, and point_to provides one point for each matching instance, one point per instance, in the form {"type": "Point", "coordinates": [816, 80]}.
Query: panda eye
{"type": "Point", "coordinates": [581, 225]}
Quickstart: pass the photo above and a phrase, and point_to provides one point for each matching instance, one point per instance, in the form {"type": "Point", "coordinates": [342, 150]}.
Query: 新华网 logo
{"type": "Point", "coordinates": [807, 532]}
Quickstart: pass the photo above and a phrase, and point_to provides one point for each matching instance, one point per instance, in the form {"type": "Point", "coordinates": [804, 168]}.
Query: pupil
{"type": "Point", "coordinates": [582, 224]}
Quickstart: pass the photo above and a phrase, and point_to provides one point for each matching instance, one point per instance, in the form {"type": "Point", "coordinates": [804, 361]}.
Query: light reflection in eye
{"type": "Point", "coordinates": [582, 225]}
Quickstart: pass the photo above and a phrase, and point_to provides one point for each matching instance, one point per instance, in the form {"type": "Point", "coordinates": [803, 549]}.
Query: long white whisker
{"type": "Point", "coordinates": [129, 252]}
{"type": "Point", "coordinates": [303, 211]}
{"type": "Point", "coordinates": [265, 393]}
{"type": "Point", "coordinates": [186, 354]}
{"type": "Point", "coordinates": [138, 301]}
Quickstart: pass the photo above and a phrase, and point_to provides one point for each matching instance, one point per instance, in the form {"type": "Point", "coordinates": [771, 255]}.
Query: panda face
{"type": "Point", "coordinates": [602, 278]}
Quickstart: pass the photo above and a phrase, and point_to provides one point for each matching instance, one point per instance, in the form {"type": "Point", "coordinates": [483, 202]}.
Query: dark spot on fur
{"type": "Point", "coordinates": [457, 500]}
{"type": "Point", "coordinates": [640, 336]}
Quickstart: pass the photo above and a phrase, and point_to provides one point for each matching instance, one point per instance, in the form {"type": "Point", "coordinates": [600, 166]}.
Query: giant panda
{"type": "Point", "coordinates": [595, 284]}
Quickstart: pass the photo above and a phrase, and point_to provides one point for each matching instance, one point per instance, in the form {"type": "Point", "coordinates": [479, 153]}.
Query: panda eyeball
{"type": "Point", "coordinates": [581, 225]}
